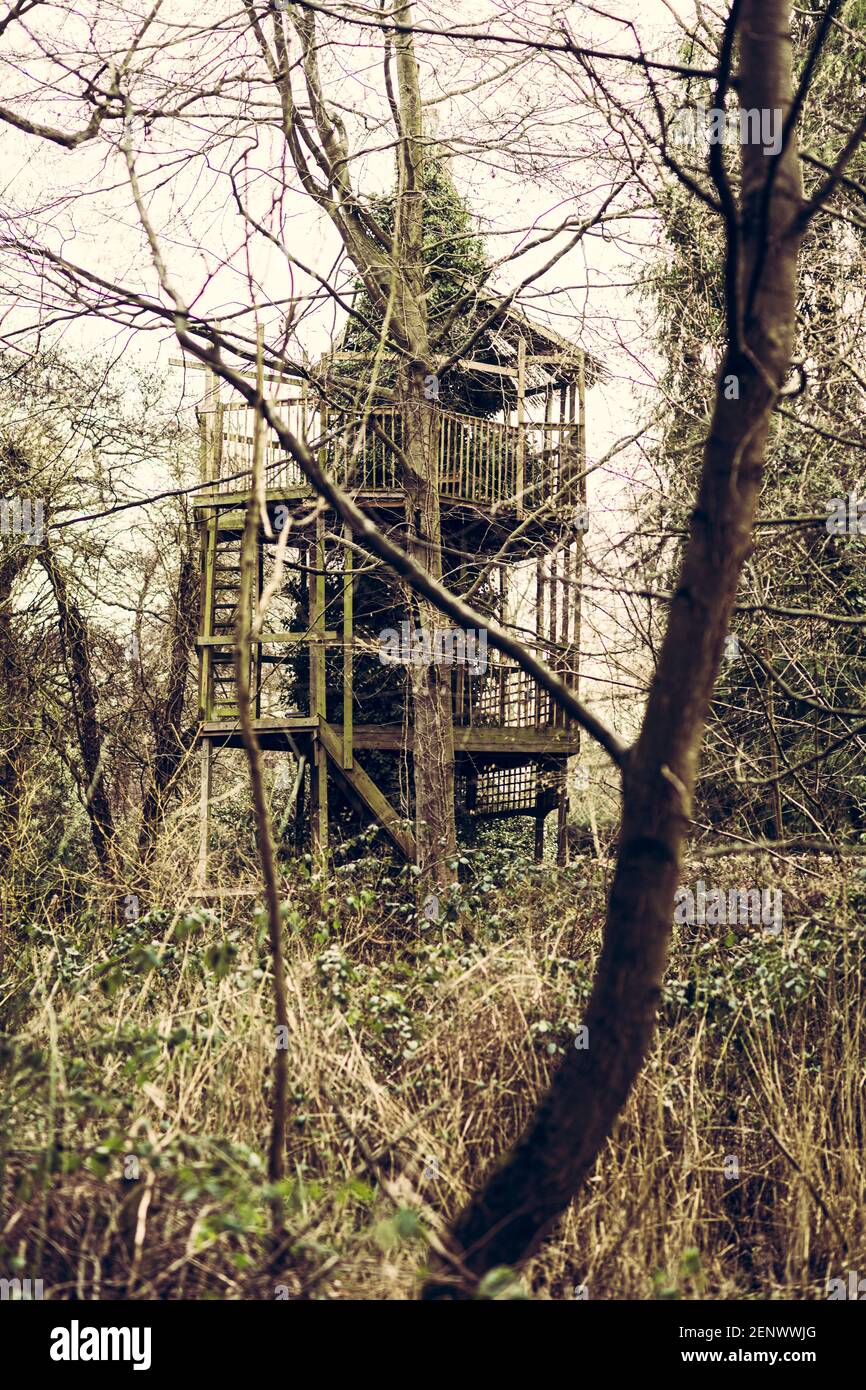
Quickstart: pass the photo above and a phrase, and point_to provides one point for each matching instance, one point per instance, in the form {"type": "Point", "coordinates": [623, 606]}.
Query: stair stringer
{"type": "Point", "coordinates": [364, 787]}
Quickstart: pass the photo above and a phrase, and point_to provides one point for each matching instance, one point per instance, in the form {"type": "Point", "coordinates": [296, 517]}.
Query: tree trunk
{"type": "Point", "coordinates": [15, 714]}
{"type": "Point", "coordinates": [433, 746]}
{"type": "Point", "coordinates": [75, 650]}
{"type": "Point", "coordinates": [507, 1220]}
{"type": "Point", "coordinates": [170, 745]}
{"type": "Point", "coordinates": [433, 731]}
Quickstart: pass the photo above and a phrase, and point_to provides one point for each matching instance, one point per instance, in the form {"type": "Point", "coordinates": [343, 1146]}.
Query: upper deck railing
{"type": "Point", "coordinates": [480, 460]}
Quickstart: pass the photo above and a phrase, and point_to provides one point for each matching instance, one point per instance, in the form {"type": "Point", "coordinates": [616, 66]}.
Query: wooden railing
{"type": "Point", "coordinates": [479, 460]}
{"type": "Point", "coordinates": [505, 696]}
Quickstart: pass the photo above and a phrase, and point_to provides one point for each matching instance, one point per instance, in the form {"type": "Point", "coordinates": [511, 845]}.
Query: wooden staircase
{"type": "Point", "coordinates": [355, 780]}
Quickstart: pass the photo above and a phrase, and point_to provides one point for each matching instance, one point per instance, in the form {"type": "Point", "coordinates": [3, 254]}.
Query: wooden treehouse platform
{"type": "Point", "coordinates": [322, 691]}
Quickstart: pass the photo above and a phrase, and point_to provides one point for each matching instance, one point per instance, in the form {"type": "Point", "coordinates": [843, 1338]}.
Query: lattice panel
{"type": "Point", "coordinates": [506, 790]}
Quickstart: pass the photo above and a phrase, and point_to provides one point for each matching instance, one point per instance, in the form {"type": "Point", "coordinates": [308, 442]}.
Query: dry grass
{"type": "Point", "coordinates": [414, 1061]}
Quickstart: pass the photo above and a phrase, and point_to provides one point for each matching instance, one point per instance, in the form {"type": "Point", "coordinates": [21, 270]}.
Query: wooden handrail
{"type": "Point", "coordinates": [479, 459]}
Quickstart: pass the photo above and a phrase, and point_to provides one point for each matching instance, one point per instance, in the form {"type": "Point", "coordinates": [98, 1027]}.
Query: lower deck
{"type": "Point", "coordinates": [498, 773]}
{"type": "Point", "coordinates": [508, 744]}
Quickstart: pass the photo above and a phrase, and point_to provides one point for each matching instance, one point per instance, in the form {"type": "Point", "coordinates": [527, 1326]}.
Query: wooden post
{"type": "Point", "coordinates": [561, 453]}
{"type": "Point", "coordinates": [521, 425]}
{"type": "Point", "coordinates": [539, 629]}
{"type": "Point", "coordinates": [563, 661]}
{"type": "Point", "coordinates": [539, 826]}
{"type": "Point", "coordinates": [319, 806]}
{"type": "Point", "coordinates": [210, 427]}
{"type": "Point", "coordinates": [204, 809]}
{"type": "Point", "coordinates": [348, 638]}
{"type": "Point", "coordinates": [319, 648]}
{"type": "Point", "coordinates": [256, 654]}
{"type": "Point", "coordinates": [580, 540]}
{"type": "Point", "coordinates": [300, 801]}
{"type": "Point", "coordinates": [562, 820]}
{"type": "Point", "coordinates": [553, 657]}
{"type": "Point", "coordinates": [581, 420]}
{"type": "Point", "coordinates": [319, 797]}
{"type": "Point", "coordinates": [547, 473]}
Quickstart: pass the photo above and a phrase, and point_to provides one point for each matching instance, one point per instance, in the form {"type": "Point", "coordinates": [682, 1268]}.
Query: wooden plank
{"type": "Point", "coordinates": [479, 738]}
{"type": "Point", "coordinates": [235, 497]}
{"type": "Point", "coordinates": [563, 359]}
{"type": "Point", "coordinates": [329, 635]}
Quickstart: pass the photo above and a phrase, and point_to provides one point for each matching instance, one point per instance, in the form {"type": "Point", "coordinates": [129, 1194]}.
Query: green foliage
{"type": "Point", "coordinates": [501, 1285]}
{"type": "Point", "coordinates": [687, 1282]}
{"type": "Point", "coordinates": [452, 251]}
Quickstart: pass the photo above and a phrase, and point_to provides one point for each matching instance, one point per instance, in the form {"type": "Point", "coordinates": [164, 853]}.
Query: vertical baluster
{"type": "Point", "coordinates": [454, 456]}
{"type": "Point", "coordinates": [505, 487]}
{"type": "Point", "coordinates": [539, 628]}
{"type": "Point", "coordinates": [489, 460]}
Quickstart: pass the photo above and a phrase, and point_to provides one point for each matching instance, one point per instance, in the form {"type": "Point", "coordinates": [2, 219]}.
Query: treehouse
{"type": "Point", "coordinates": [329, 684]}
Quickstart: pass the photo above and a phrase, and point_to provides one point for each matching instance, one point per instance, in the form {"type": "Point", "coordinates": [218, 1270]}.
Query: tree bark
{"type": "Point", "coordinates": [75, 650]}
{"type": "Point", "coordinates": [15, 714]}
{"type": "Point", "coordinates": [170, 745]}
{"type": "Point", "coordinates": [433, 743]}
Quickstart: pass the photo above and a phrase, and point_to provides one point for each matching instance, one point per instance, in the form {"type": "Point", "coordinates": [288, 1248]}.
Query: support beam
{"type": "Point", "coordinates": [317, 624]}
{"type": "Point", "coordinates": [348, 638]}
{"type": "Point", "coordinates": [319, 808]}
{"type": "Point", "coordinates": [540, 817]}
{"type": "Point", "coordinates": [204, 809]}
{"type": "Point", "coordinates": [562, 821]}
